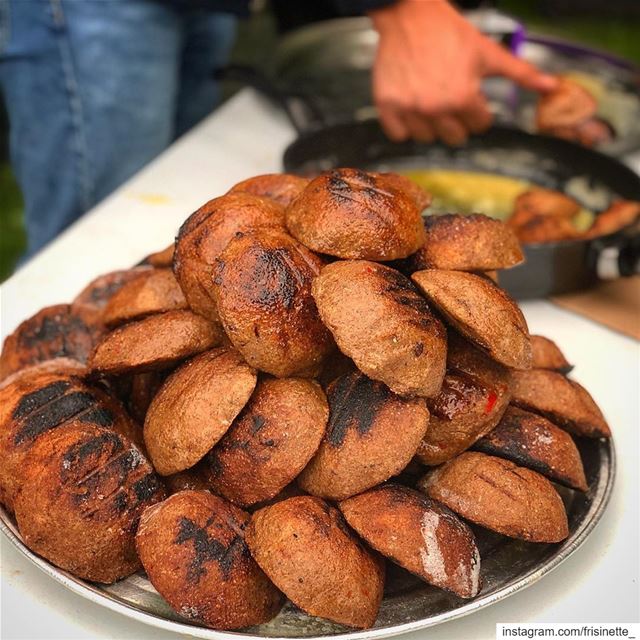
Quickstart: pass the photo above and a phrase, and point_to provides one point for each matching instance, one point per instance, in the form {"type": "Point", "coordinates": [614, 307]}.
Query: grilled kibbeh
{"type": "Point", "coordinates": [100, 290]}
{"type": "Point", "coordinates": [282, 188]}
{"type": "Point", "coordinates": [372, 435]}
{"type": "Point", "coordinates": [619, 215]}
{"type": "Point", "coordinates": [262, 289]}
{"type": "Point", "coordinates": [270, 442]}
{"type": "Point", "coordinates": [500, 496]}
{"type": "Point", "coordinates": [60, 331]}
{"type": "Point", "coordinates": [465, 243]}
{"type": "Point", "coordinates": [563, 401]}
{"type": "Point", "coordinates": [34, 405]}
{"type": "Point", "coordinates": [381, 322]}
{"type": "Point", "coordinates": [154, 343]}
{"type": "Point", "coordinates": [84, 488]}
{"type": "Point", "coordinates": [162, 259]}
{"type": "Point", "coordinates": [352, 214]}
{"type": "Point", "coordinates": [194, 408]}
{"type": "Point", "coordinates": [193, 550]}
{"type": "Point", "coordinates": [156, 291]}
{"type": "Point", "coordinates": [474, 395]}
{"type": "Point", "coordinates": [533, 442]}
{"type": "Point", "coordinates": [566, 106]}
{"type": "Point", "coordinates": [481, 311]}
{"type": "Point", "coordinates": [419, 534]}
{"type": "Point", "coordinates": [305, 548]}
{"type": "Point", "coordinates": [547, 355]}
{"type": "Point", "coordinates": [206, 233]}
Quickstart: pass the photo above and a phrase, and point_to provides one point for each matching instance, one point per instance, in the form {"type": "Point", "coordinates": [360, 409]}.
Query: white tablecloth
{"type": "Point", "coordinates": [599, 583]}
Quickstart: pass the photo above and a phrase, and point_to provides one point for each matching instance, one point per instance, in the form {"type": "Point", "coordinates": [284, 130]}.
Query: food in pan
{"type": "Point", "coordinates": [569, 112]}
{"type": "Point", "coordinates": [534, 214]}
{"type": "Point", "coordinates": [262, 375]}
{"type": "Point", "coordinates": [193, 549]}
{"type": "Point", "coordinates": [308, 552]}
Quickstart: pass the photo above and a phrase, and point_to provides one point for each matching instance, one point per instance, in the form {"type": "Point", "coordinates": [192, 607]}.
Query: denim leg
{"type": "Point", "coordinates": [208, 39]}
{"type": "Point", "coordinates": [91, 91]}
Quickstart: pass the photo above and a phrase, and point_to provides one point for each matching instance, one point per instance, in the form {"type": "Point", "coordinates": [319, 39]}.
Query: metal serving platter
{"type": "Point", "coordinates": [508, 566]}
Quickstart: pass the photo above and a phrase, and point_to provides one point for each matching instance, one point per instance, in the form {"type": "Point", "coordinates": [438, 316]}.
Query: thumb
{"type": "Point", "coordinates": [498, 61]}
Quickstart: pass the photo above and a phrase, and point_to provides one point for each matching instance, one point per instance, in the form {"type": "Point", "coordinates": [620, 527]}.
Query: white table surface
{"type": "Point", "coordinates": [599, 583]}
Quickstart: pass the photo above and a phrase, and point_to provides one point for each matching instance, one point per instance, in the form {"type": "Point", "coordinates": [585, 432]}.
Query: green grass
{"type": "Point", "coordinates": [616, 35]}
{"type": "Point", "coordinates": [12, 236]}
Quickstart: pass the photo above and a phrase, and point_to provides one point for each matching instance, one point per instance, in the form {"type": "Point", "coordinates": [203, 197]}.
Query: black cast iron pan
{"type": "Point", "coordinates": [593, 178]}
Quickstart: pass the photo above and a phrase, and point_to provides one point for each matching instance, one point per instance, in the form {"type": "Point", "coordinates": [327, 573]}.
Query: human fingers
{"type": "Point", "coordinates": [449, 129]}
{"type": "Point", "coordinates": [393, 123]}
{"type": "Point", "coordinates": [496, 60]}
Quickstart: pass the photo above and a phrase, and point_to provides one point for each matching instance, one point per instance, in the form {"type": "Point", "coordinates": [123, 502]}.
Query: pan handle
{"type": "Point", "coordinates": [618, 255]}
{"type": "Point", "coordinates": [300, 110]}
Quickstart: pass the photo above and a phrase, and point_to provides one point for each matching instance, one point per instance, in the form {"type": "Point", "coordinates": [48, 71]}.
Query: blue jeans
{"type": "Point", "coordinates": [95, 89]}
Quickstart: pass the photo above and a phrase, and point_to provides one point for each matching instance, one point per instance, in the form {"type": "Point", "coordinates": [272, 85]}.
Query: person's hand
{"type": "Point", "coordinates": [428, 69]}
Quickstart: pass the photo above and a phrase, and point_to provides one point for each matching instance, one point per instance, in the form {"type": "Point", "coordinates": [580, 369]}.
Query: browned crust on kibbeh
{"type": "Point", "coordinates": [379, 319]}
{"type": "Point", "coordinates": [499, 495]}
{"type": "Point", "coordinates": [353, 214]}
{"type": "Point", "coordinates": [465, 243]}
{"type": "Point", "coordinates": [474, 395]}
{"type": "Point", "coordinates": [84, 488]}
{"type": "Point", "coordinates": [262, 289]}
{"type": "Point", "coordinates": [205, 234]}
{"type": "Point", "coordinates": [306, 549]}
{"type": "Point", "coordinates": [481, 311]}
{"type": "Point", "coordinates": [282, 188]}
{"type": "Point", "coordinates": [154, 343]}
{"type": "Point", "coordinates": [419, 534]}
{"type": "Point", "coordinates": [193, 550]}
{"type": "Point", "coordinates": [547, 355]}
{"type": "Point", "coordinates": [195, 407]}
{"type": "Point", "coordinates": [271, 441]}
{"type": "Point", "coordinates": [532, 441]}
{"type": "Point", "coordinates": [156, 291]}
{"type": "Point", "coordinates": [563, 401]}
{"type": "Point", "coordinates": [372, 435]}
{"type": "Point", "coordinates": [59, 331]}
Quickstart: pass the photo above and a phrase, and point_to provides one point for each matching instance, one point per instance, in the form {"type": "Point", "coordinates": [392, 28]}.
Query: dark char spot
{"type": "Point", "coordinates": [53, 415]}
{"type": "Point", "coordinates": [207, 549]}
{"type": "Point", "coordinates": [36, 399]}
{"type": "Point", "coordinates": [354, 402]}
{"type": "Point", "coordinates": [98, 415]}
{"type": "Point", "coordinates": [147, 487]}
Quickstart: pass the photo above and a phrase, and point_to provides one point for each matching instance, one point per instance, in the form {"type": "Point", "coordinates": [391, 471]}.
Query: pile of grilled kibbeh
{"type": "Point", "coordinates": [312, 381]}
